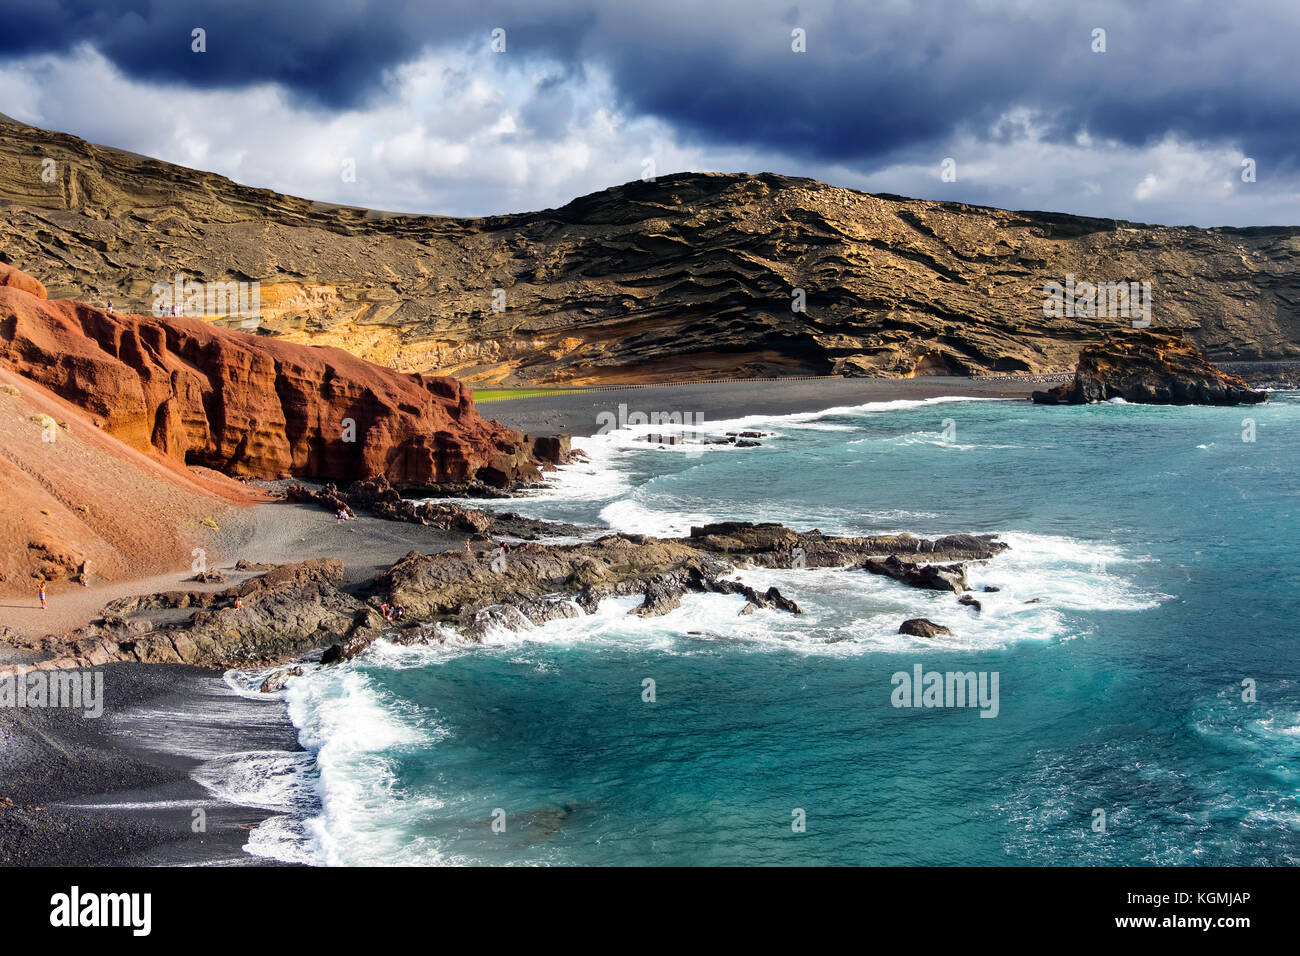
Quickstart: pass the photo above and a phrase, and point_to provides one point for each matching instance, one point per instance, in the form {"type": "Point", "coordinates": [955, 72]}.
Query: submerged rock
{"type": "Point", "coordinates": [933, 577]}
{"type": "Point", "coordinates": [277, 681]}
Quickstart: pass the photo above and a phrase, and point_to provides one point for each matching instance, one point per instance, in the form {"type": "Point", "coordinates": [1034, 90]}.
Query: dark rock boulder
{"type": "Point", "coordinates": [662, 594]}
{"type": "Point", "coordinates": [277, 680]}
{"type": "Point", "coordinates": [920, 627]}
{"type": "Point", "coordinates": [1149, 368]}
{"type": "Point", "coordinates": [355, 643]}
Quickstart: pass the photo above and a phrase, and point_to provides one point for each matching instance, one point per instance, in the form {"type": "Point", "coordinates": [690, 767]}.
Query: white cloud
{"type": "Point", "coordinates": [466, 133]}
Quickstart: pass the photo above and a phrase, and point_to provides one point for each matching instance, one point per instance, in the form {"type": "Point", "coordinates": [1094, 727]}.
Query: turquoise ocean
{"type": "Point", "coordinates": [1148, 703]}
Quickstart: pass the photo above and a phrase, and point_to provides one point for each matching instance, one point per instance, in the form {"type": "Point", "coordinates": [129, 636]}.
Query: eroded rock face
{"type": "Point", "coordinates": [685, 277]}
{"type": "Point", "coordinates": [1150, 368]}
{"type": "Point", "coordinates": [250, 406]}
{"type": "Point", "coordinates": [9, 276]}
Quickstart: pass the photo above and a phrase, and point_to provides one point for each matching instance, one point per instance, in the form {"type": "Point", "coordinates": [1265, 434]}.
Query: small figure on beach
{"type": "Point", "coordinates": [399, 612]}
{"type": "Point", "coordinates": [467, 547]}
{"type": "Point", "coordinates": [384, 610]}
{"type": "Point", "coordinates": [110, 305]}
{"type": "Point", "coordinates": [40, 593]}
{"type": "Point", "coordinates": [341, 516]}
{"type": "Point", "coordinates": [239, 603]}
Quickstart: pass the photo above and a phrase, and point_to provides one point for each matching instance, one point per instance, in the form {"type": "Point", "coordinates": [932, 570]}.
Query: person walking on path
{"type": "Point", "coordinates": [40, 593]}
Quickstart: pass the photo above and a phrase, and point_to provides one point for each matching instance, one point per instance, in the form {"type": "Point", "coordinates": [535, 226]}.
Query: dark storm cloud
{"type": "Point", "coordinates": [878, 79]}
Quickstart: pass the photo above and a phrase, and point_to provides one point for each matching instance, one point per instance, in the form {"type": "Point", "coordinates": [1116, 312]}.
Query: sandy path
{"type": "Point", "coordinates": [275, 533]}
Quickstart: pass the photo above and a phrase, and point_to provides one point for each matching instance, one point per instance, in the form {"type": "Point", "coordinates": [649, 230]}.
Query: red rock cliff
{"type": "Point", "coordinates": [251, 406]}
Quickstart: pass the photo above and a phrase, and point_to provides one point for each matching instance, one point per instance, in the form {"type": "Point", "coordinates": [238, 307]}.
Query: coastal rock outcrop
{"type": "Point", "coordinates": [1151, 368]}
{"type": "Point", "coordinates": [256, 407]}
{"type": "Point", "coordinates": [283, 613]}
{"type": "Point", "coordinates": [274, 617]}
{"type": "Point", "coordinates": [933, 577]}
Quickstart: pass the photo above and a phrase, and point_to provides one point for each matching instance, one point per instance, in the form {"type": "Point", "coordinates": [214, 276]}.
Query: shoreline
{"type": "Point", "coordinates": [119, 790]}
{"type": "Point", "coordinates": [109, 800]}
{"type": "Point", "coordinates": [577, 413]}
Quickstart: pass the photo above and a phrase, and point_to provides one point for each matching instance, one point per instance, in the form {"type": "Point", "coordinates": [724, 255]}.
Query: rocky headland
{"type": "Point", "coordinates": [1149, 367]}
{"type": "Point", "coordinates": [130, 438]}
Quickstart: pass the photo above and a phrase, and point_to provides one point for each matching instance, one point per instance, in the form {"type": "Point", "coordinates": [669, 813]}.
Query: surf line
{"type": "Point", "coordinates": [950, 689]}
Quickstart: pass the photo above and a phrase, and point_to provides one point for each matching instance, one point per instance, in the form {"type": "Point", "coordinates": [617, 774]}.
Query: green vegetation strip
{"type": "Point", "coordinates": [501, 394]}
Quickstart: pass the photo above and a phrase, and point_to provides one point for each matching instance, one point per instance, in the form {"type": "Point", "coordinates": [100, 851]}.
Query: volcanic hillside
{"type": "Point", "coordinates": [691, 275]}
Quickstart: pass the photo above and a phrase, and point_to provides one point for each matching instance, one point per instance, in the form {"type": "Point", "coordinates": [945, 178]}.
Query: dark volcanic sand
{"type": "Point", "coordinates": [80, 772]}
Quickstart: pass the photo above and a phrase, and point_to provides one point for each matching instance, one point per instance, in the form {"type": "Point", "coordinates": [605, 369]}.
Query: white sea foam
{"type": "Point", "coordinates": [366, 817]}
{"type": "Point", "coordinates": [270, 780]}
{"type": "Point", "coordinates": [603, 479]}
{"type": "Point", "coordinates": [356, 734]}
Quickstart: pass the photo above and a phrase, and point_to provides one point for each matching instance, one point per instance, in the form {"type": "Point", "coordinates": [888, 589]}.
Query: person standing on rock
{"type": "Point", "coordinates": [40, 593]}
{"type": "Point", "coordinates": [467, 547]}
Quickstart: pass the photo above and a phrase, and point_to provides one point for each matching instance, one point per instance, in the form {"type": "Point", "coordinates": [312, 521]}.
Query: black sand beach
{"type": "Point", "coordinates": [576, 414]}
{"type": "Point", "coordinates": [117, 790]}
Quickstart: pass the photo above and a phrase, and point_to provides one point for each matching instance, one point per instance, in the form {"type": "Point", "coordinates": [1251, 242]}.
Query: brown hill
{"type": "Point", "coordinates": [687, 276]}
{"type": "Point", "coordinates": [79, 505]}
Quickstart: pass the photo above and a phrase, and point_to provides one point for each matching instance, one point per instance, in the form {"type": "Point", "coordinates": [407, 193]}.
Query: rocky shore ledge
{"type": "Point", "coordinates": [287, 613]}
{"type": "Point", "coordinates": [382, 500]}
